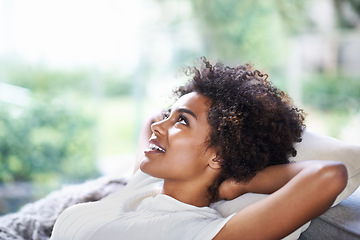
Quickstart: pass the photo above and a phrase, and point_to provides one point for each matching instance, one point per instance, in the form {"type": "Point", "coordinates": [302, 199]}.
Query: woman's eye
{"type": "Point", "coordinates": [165, 115]}
{"type": "Point", "coordinates": [182, 120]}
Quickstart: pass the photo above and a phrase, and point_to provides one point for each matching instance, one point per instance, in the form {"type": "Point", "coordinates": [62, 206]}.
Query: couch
{"type": "Point", "coordinates": [341, 222]}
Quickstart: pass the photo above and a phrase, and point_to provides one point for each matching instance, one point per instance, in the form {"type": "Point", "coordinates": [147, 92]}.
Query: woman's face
{"type": "Point", "coordinates": [177, 148]}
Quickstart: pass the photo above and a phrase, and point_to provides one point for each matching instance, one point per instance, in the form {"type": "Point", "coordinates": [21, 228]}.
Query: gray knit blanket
{"type": "Point", "coordinates": [35, 221]}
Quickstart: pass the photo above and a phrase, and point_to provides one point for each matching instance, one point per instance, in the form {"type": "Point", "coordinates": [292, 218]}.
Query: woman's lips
{"type": "Point", "coordinates": [154, 146]}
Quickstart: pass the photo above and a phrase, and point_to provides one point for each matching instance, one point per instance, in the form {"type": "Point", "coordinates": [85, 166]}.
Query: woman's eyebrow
{"type": "Point", "coordinates": [184, 110]}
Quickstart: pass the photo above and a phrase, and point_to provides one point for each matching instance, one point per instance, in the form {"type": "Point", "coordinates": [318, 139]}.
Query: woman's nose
{"type": "Point", "coordinates": [158, 127]}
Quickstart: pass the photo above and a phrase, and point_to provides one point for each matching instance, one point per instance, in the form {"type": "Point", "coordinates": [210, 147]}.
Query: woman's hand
{"type": "Point", "coordinates": [266, 181]}
{"type": "Point", "coordinates": [230, 189]}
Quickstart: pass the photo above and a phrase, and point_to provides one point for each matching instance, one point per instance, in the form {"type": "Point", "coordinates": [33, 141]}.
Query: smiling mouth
{"type": "Point", "coordinates": [156, 147]}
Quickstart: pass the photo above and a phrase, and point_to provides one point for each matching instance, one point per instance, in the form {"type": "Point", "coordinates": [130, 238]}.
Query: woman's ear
{"type": "Point", "coordinates": [215, 163]}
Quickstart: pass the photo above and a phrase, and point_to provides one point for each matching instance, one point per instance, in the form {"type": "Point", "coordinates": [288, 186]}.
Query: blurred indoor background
{"type": "Point", "coordinates": [78, 77]}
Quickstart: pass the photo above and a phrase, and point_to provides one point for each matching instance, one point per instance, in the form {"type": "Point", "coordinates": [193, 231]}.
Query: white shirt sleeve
{"type": "Point", "coordinates": [213, 228]}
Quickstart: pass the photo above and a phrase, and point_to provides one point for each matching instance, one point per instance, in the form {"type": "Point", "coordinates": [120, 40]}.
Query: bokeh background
{"type": "Point", "coordinates": [78, 77]}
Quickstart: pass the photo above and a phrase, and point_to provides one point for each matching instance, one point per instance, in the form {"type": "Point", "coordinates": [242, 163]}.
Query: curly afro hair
{"type": "Point", "coordinates": [253, 124]}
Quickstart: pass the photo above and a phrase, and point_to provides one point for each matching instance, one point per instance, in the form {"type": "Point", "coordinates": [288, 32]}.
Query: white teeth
{"type": "Point", "coordinates": [155, 147]}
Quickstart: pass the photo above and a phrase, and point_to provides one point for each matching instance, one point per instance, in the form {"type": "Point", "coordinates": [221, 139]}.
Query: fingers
{"type": "Point", "coordinates": [230, 189]}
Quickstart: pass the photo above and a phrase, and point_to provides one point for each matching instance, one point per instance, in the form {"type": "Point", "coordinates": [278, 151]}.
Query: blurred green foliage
{"type": "Point", "coordinates": [53, 137]}
{"type": "Point", "coordinates": [332, 92]}
{"type": "Point", "coordinates": [45, 82]}
{"type": "Point", "coordinates": [45, 140]}
{"type": "Point", "coordinates": [346, 20]}
{"type": "Point", "coordinates": [245, 30]}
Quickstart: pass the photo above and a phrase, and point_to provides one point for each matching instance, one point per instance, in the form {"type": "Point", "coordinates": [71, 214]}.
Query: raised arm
{"type": "Point", "coordinates": [298, 192]}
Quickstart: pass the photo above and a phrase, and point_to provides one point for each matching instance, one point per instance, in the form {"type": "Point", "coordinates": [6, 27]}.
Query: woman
{"type": "Point", "coordinates": [229, 132]}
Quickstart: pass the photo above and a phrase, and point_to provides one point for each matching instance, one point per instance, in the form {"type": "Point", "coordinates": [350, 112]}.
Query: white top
{"type": "Point", "coordinates": [138, 211]}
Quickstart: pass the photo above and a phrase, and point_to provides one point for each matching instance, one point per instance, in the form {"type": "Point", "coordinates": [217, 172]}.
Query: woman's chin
{"type": "Point", "coordinates": [144, 165]}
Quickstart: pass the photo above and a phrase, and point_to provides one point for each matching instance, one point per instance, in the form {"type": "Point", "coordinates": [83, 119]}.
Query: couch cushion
{"type": "Point", "coordinates": [339, 222]}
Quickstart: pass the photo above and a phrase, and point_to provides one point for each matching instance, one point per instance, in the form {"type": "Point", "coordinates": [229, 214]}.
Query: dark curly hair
{"type": "Point", "coordinates": [253, 124]}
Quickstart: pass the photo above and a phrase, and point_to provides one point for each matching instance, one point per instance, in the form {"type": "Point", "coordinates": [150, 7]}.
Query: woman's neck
{"type": "Point", "coordinates": [189, 193]}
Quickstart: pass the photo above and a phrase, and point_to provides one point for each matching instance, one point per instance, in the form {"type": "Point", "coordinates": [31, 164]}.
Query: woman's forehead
{"type": "Point", "coordinates": [192, 100]}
